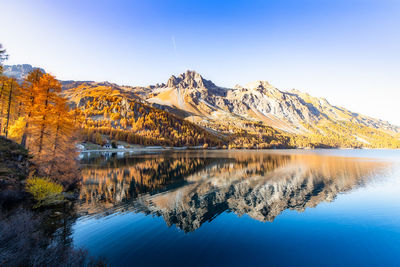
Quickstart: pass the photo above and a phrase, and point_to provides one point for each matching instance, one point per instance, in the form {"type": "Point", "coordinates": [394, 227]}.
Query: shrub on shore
{"type": "Point", "coordinates": [44, 191]}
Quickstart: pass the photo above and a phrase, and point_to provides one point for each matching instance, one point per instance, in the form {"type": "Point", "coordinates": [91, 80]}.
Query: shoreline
{"type": "Point", "coordinates": [144, 149]}
{"type": "Point", "coordinates": [150, 148]}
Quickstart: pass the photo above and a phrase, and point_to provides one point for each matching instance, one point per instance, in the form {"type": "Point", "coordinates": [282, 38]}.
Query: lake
{"type": "Point", "coordinates": [241, 208]}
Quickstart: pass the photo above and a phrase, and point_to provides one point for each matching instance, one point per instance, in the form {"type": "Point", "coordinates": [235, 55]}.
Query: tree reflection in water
{"type": "Point", "coordinates": [190, 188]}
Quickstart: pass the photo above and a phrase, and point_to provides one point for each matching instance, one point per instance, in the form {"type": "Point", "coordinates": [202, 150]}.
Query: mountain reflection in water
{"type": "Point", "coordinates": [190, 188]}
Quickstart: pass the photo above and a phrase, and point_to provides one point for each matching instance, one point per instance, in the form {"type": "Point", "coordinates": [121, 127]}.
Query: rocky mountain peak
{"type": "Point", "coordinates": [258, 84]}
{"type": "Point", "coordinates": [263, 87]}
{"type": "Point", "coordinates": [189, 79]}
{"type": "Point", "coordinates": [19, 71]}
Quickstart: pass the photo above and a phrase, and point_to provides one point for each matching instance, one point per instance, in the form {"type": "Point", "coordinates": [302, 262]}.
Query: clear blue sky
{"type": "Point", "coordinates": [345, 50]}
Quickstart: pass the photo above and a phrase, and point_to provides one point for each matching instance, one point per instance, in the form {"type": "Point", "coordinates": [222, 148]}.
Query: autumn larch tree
{"type": "Point", "coordinates": [29, 99]}
{"type": "Point", "coordinates": [9, 95]}
{"type": "Point", "coordinates": [49, 130]}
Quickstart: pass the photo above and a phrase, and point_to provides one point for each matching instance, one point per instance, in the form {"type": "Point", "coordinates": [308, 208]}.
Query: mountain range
{"type": "Point", "coordinates": [254, 115]}
{"type": "Point", "coordinates": [256, 101]}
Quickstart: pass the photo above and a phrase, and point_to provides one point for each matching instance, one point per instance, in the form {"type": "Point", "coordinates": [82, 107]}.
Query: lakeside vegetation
{"type": "Point", "coordinates": [34, 114]}
{"type": "Point", "coordinates": [34, 174]}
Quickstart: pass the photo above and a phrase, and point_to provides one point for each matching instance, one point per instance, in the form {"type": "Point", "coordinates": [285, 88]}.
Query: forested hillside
{"type": "Point", "coordinates": [106, 113]}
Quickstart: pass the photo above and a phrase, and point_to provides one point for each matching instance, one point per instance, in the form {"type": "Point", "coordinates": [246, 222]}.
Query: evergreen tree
{"type": "Point", "coordinates": [3, 57]}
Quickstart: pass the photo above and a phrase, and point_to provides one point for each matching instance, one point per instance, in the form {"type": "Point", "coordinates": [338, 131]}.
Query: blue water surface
{"type": "Point", "coordinates": [358, 226]}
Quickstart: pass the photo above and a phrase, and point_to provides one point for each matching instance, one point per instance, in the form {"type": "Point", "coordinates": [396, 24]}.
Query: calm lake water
{"type": "Point", "coordinates": [241, 208]}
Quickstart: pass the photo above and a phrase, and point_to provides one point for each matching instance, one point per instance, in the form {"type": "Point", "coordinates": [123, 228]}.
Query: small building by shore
{"type": "Point", "coordinates": [108, 146]}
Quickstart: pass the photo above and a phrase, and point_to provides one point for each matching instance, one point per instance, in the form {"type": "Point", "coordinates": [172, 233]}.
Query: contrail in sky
{"type": "Point", "coordinates": [174, 45]}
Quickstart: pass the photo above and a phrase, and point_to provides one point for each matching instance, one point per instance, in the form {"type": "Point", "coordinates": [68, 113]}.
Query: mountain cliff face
{"type": "Point", "coordinates": [256, 101]}
{"type": "Point", "coordinates": [244, 108]}
{"type": "Point", "coordinates": [18, 72]}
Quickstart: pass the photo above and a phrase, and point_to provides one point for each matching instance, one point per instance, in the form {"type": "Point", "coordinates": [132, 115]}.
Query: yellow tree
{"type": "Point", "coordinates": [3, 89]}
{"type": "Point", "coordinates": [62, 152]}
{"type": "Point", "coordinates": [48, 94]}
{"type": "Point", "coordinates": [29, 99]}
{"type": "Point", "coordinates": [15, 131]}
{"type": "Point", "coordinates": [9, 103]}
{"type": "Point", "coordinates": [51, 131]}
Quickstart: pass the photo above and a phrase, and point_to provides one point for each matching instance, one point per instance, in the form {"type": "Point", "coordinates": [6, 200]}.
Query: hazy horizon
{"type": "Point", "coordinates": [344, 51]}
